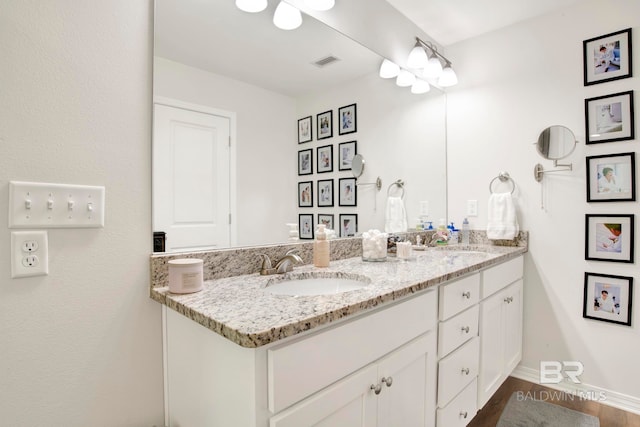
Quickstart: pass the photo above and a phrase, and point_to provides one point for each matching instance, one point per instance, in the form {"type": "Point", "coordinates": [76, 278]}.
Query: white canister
{"type": "Point", "coordinates": [185, 275]}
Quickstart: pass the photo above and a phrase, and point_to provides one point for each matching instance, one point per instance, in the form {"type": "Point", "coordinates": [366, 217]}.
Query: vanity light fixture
{"type": "Point", "coordinates": [448, 76]}
{"type": "Point", "coordinates": [251, 6]}
{"type": "Point", "coordinates": [321, 5]}
{"type": "Point", "coordinates": [420, 86]}
{"type": "Point", "coordinates": [431, 64]}
{"type": "Point", "coordinates": [389, 70]}
{"type": "Point", "coordinates": [405, 78]}
{"type": "Point", "coordinates": [287, 17]}
{"type": "Point", "coordinates": [417, 57]}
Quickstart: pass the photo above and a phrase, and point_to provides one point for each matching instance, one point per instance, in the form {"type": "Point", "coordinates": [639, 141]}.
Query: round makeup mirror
{"type": "Point", "coordinates": [556, 142]}
{"type": "Point", "coordinates": [357, 165]}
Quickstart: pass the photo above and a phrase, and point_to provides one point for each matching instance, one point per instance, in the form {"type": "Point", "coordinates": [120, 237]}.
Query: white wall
{"type": "Point", "coordinates": [81, 346]}
{"type": "Point", "coordinates": [266, 133]}
{"type": "Point", "coordinates": [514, 83]}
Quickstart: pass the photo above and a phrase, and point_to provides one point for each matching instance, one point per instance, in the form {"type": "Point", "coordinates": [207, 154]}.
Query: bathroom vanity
{"type": "Point", "coordinates": [424, 342]}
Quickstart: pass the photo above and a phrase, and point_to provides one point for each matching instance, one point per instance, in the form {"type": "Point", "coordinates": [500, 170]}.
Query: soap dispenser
{"type": "Point", "coordinates": [321, 248]}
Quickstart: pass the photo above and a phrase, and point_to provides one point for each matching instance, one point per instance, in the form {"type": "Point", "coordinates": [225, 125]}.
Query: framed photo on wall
{"type": "Point", "coordinates": [609, 237]}
{"type": "Point", "coordinates": [325, 192]}
{"type": "Point", "coordinates": [327, 220]}
{"type": "Point", "coordinates": [346, 151]}
{"type": "Point", "coordinates": [347, 192]}
{"type": "Point", "coordinates": [305, 194]}
{"type": "Point", "coordinates": [305, 130]}
{"type": "Point", "coordinates": [305, 224]}
{"type": "Point", "coordinates": [348, 120]}
{"type": "Point", "coordinates": [305, 162]}
{"type": "Point", "coordinates": [608, 298]}
{"type": "Point", "coordinates": [609, 118]}
{"type": "Point", "coordinates": [607, 57]}
{"type": "Point", "coordinates": [348, 225]}
{"type": "Point", "coordinates": [325, 158]}
{"type": "Point", "coordinates": [325, 125]}
{"type": "Point", "coordinates": [611, 178]}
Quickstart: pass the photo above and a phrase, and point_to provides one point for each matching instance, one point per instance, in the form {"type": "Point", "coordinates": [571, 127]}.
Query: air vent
{"type": "Point", "coordinates": [323, 62]}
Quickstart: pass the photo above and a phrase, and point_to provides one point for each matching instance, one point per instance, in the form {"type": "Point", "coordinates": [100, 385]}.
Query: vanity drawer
{"type": "Point", "coordinates": [300, 368]}
{"type": "Point", "coordinates": [454, 332]}
{"type": "Point", "coordinates": [498, 277]}
{"type": "Point", "coordinates": [461, 410]}
{"type": "Point", "coordinates": [457, 370]}
{"type": "Point", "coordinates": [459, 295]}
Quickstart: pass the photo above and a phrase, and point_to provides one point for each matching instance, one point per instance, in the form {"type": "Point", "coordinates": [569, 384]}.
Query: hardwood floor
{"type": "Point", "coordinates": [608, 415]}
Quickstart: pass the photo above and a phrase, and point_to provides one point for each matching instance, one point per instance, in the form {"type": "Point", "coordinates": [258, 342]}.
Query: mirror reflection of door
{"type": "Point", "coordinates": [191, 184]}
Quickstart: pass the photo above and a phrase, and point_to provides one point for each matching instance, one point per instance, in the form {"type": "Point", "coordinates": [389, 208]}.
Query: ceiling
{"type": "Point", "coordinates": [451, 21]}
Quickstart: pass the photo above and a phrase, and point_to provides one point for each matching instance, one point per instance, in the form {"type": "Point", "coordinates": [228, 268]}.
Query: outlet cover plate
{"type": "Point", "coordinates": [27, 263]}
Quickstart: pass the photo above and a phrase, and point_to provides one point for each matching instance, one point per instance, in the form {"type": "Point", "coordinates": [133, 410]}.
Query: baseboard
{"type": "Point", "coordinates": [611, 398]}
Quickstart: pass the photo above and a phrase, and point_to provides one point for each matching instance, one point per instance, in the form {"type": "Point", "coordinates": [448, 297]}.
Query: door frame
{"type": "Point", "coordinates": [198, 108]}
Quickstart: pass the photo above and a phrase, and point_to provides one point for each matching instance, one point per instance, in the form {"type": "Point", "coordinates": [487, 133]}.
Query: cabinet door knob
{"type": "Point", "coordinates": [377, 388]}
{"type": "Point", "coordinates": [465, 329]}
{"type": "Point", "coordinates": [508, 300]}
{"type": "Point", "coordinates": [388, 381]}
{"type": "Point", "coordinates": [467, 294]}
{"type": "Point", "coordinates": [463, 414]}
{"type": "Point", "coordinates": [465, 371]}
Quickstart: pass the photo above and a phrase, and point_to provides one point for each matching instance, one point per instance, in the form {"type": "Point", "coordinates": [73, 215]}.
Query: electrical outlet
{"type": "Point", "coordinates": [424, 208]}
{"type": "Point", "coordinates": [29, 253]}
{"type": "Point", "coordinates": [472, 208]}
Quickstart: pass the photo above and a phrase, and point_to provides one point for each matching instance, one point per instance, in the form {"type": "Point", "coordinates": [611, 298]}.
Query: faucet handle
{"type": "Point", "coordinates": [266, 268]}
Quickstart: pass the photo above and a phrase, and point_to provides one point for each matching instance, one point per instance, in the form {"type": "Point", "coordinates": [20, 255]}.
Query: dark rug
{"type": "Point", "coordinates": [528, 412]}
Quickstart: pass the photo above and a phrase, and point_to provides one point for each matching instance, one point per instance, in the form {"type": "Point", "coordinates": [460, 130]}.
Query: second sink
{"type": "Point", "coordinates": [320, 283]}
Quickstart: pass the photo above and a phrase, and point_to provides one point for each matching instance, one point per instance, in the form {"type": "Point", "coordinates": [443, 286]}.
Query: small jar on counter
{"type": "Point", "coordinates": [374, 246]}
{"type": "Point", "coordinates": [185, 275]}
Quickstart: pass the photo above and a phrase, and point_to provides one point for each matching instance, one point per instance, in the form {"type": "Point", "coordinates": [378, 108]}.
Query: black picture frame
{"type": "Point", "coordinates": [347, 192]}
{"type": "Point", "coordinates": [609, 237]}
{"type": "Point", "coordinates": [608, 298]}
{"type": "Point", "coordinates": [305, 130]}
{"type": "Point", "coordinates": [324, 157]}
{"type": "Point", "coordinates": [347, 119]}
{"type": "Point", "coordinates": [305, 194]}
{"type": "Point", "coordinates": [608, 57]}
{"type": "Point", "coordinates": [327, 220]}
{"type": "Point", "coordinates": [346, 151]}
{"type": "Point", "coordinates": [348, 225]}
{"type": "Point", "coordinates": [325, 193]}
{"type": "Point", "coordinates": [324, 125]}
{"type": "Point", "coordinates": [305, 162]}
{"type": "Point", "coordinates": [609, 118]}
{"type": "Point", "coordinates": [305, 226]}
{"type": "Point", "coordinates": [611, 177]}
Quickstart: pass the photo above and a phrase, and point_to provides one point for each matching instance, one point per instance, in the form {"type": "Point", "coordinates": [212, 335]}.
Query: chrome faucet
{"type": "Point", "coordinates": [284, 265]}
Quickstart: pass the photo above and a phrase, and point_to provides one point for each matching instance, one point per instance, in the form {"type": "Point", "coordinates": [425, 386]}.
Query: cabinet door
{"type": "Point", "coordinates": [408, 378]}
{"type": "Point", "coordinates": [490, 375]}
{"type": "Point", "coordinates": [513, 327]}
{"type": "Point", "coordinates": [350, 402]}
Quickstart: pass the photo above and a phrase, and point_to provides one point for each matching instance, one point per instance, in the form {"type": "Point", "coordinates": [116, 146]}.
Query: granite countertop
{"type": "Point", "coordinates": [240, 309]}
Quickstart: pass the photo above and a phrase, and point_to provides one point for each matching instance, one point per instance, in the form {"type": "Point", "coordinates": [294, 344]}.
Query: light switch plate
{"type": "Point", "coordinates": [472, 208]}
{"type": "Point", "coordinates": [45, 205]}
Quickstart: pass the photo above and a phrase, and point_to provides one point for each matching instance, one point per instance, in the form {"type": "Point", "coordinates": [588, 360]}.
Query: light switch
{"type": "Point", "coordinates": [472, 208]}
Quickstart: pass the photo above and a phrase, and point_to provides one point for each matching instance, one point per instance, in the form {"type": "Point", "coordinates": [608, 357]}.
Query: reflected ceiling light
{"type": "Point", "coordinates": [320, 4]}
{"type": "Point", "coordinates": [433, 69]}
{"type": "Point", "coordinates": [251, 6]}
{"type": "Point", "coordinates": [448, 77]}
{"type": "Point", "coordinates": [420, 86]}
{"type": "Point", "coordinates": [417, 56]}
{"type": "Point", "coordinates": [405, 78]}
{"type": "Point", "coordinates": [389, 69]}
{"type": "Point", "coordinates": [287, 17]}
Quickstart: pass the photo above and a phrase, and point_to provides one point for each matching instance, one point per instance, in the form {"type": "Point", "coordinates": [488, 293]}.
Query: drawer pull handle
{"type": "Point", "coordinates": [463, 414]}
{"type": "Point", "coordinates": [465, 371]}
{"type": "Point", "coordinates": [465, 329]}
{"type": "Point", "coordinates": [377, 388]}
{"type": "Point", "coordinates": [388, 381]}
{"type": "Point", "coordinates": [467, 294]}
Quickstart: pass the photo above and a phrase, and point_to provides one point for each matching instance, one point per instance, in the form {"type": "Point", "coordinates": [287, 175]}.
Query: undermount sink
{"type": "Point", "coordinates": [307, 284]}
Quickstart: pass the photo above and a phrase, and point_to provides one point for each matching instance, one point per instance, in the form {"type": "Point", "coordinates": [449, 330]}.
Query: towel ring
{"type": "Point", "coordinates": [503, 177]}
{"type": "Point", "coordinates": [400, 184]}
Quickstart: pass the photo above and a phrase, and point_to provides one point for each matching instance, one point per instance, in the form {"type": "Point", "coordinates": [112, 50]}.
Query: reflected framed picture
{"type": "Point", "coordinates": [348, 225]}
{"type": "Point", "coordinates": [325, 159]}
{"type": "Point", "coordinates": [305, 224]}
{"type": "Point", "coordinates": [324, 125]}
{"type": "Point", "coordinates": [305, 194]}
{"type": "Point", "coordinates": [346, 151]}
{"type": "Point", "coordinates": [305, 130]}
{"type": "Point", "coordinates": [325, 192]}
{"type": "Point", "coordinates": [347, 192]}
{"type": "Point", "coordinates": [348, 122]}
{"type": "Point", "coordinates": [608, 298]}
{"type": "Point", "coordinates": [609, 118]}
{"type": "Point", "coordinates": [327, 220]}
{"type": "Point", "coordinates": [611, 178]}
{"type": "Point", "coordinates": [609, 237]}
{"type": "Point", "coordinates": [305, 162]}
{"type": "Point", "coordinates": [607, 57]}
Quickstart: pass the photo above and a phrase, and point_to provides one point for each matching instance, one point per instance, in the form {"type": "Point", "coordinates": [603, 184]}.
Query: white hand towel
{"type": "Point", "coordinates": [502, 223]}
{"type": "Point", "coordinates": [395, 216]}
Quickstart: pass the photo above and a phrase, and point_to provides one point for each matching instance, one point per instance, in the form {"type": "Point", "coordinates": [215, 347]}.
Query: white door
{"type": "Point", "coordinates": [491, 346]}
{"type": "Point", "coordinates": [513, 328]}
{"type": "Point", "coordinates": [191, 181]}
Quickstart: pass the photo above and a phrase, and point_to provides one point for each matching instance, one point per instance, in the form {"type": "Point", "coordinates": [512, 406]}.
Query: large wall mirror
{"type": "Point", "coordinates": [229, 89]}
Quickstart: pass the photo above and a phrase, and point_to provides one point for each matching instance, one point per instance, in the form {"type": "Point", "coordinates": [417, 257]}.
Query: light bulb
{"type": "Point", "coordinates": [287, 17]}
{"type": "Point", "coordinates": [251, 6]}
{"type": "Point", "coordinates": [320, 4]}
{"type": "Point", "coordinates": [405, 78]}
{"type": "Point", "coordinates": [417, 57]}
{"type": "Point", "coordinates": [389, 69]}
{"type": "Point", "coordinates": [420, 86]}
{"type": "Point", "coordinates": [448, 77]}
{"type": "Point", "coordinates": [433, 69]}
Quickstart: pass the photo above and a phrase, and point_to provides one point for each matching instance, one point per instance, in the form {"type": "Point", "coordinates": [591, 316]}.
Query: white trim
{"type": "Point", "coordinates": [165, 364]}
{"type": "Point", "coordinates": [232, 116]}
{"type": "Point", "coordinates": [613, 398]}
